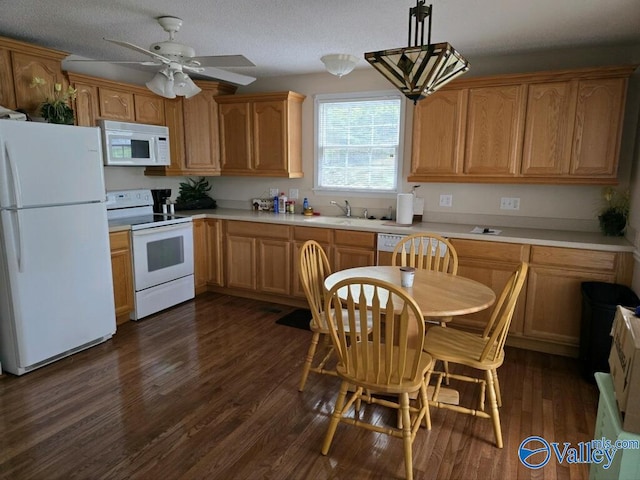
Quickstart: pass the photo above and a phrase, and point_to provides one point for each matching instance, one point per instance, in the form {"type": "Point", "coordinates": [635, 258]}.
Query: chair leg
{"type": "Point", "coordinates": [309, 360]}
{"type": "Point", "coordinates": [497, 384]}
{"type": "Point", "coordinates": [425, 401]}
{"type": "Point", "coordinates": [406, 435]}
{"type": "Point", "coordinates": [445, 364]}
{"type": "Point", "coordinates": [335, 418]}
{"type": "Point", "coordinates": [495, 414]}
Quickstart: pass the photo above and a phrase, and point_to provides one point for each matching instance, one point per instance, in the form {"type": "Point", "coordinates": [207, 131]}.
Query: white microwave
{"type": "Point", "coordinates": [134, 144]}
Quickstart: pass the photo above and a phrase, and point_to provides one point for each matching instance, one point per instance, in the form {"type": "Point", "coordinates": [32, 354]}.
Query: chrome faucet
{"type": "Point", "coordinates": [346, 209]}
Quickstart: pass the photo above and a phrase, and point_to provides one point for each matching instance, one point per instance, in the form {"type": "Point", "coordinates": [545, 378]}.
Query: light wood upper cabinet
{"type": "Point", "coordinates": [261, 135]}
{"type": "Point", "coordinates": [549, 127]}
{"type": "Point", "coordinates": [149, 109]}
{"type": "Point", "coordinates": [494, 130]}
{"type": "Point", "coordinates": [116, 104]}
{"type": "Point", "coordinates": [99, 98]}
{"type": "Point", "coordinates": [438, 134]}
{"type": "Point", "coordinates": [548, 135]}
{"type": "Point", "coordinates": [598, 127]}
{"type": "Point", "coordinates": [19, 63]}
{"type": "Point", "coordinates": [193, 132]}
{"type": "Point", "coordinates": [7, 92]}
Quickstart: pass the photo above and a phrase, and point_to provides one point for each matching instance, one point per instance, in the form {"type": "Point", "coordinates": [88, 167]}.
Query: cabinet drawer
{"type": "Point", "coordinates": [258, 230]}
{"type": "Point", "coordinates": [503, 252]}
{"type": "Point", "coordinates": [355, 239]}
{"type": "Point", "coordinates": [573, 258]}
{"type": "Point", "coordinates": [119, 240]}
{"type": "Point", "coordinates": [320, 235]}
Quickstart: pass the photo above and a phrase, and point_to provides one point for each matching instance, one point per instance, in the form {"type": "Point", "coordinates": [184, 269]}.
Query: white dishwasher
{"type": "Point", "coordinates": [387, 243]}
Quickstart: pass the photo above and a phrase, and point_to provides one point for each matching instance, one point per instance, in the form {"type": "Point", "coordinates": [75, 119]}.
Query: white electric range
{"type": "Point", "coordinates": [162, 251]}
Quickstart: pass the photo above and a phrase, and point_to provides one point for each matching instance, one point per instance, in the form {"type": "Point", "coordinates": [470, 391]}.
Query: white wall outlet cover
{"type": "Point", "coordinates": [418, 206]}
{"type": "Point", "coordinates": [274, 192]}
{"type": "Point", "coordinates": [293, 194]}
{"type": "Point", "coordinates": [446, 200]}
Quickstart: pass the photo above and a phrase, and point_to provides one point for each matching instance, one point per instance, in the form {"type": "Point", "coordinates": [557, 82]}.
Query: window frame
{"type": "Point", "coordinates": [358, 96]}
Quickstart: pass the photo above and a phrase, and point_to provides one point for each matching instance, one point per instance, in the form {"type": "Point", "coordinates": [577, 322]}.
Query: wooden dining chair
{"type": "Point", "coordinates": [313, 269]}
{"type": "Point", "coordinates": [390, 361]}
{"type": "Point", "coordinates": [480, 351]}
{"type": "Point", "coordinates": [428, 251]}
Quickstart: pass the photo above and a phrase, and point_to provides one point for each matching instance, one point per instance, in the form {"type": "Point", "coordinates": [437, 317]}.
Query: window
{"type": "Point", "coordinates": [358, 141]}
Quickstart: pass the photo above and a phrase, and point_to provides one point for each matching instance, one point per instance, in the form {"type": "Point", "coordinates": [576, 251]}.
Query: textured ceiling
{"type": "Point", "coordinates": [284, 37]}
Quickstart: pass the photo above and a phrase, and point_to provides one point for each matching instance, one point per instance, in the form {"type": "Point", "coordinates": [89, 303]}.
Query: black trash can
{"type": "Point", "coordinates": [599, 301]}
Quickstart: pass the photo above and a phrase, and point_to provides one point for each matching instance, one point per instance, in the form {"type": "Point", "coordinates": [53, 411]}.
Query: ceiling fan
{"type": "Point", "coordinates": [176, 59]}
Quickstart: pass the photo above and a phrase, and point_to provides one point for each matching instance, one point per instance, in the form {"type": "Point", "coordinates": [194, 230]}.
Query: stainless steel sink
{"type": "Point", "coordinates": [357, 221]}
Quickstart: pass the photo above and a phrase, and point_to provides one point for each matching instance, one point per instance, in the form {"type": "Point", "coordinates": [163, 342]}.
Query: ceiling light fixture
{"type": "Point", "coordinates": [339, 64]}
{"type": "Point", "coordinates": [171, 81]}
{"type": "Point", "coordinates": [419, 70]}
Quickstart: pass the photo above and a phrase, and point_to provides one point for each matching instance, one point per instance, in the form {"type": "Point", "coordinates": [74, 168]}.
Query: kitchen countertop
{"type": "Point", "coordinates": [554, 238]}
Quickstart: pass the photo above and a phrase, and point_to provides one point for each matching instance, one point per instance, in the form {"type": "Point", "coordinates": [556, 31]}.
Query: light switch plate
{"type": "Point", "coordinates": [293, 194]}
{"type": "Point", "coordinates": [274, 192]}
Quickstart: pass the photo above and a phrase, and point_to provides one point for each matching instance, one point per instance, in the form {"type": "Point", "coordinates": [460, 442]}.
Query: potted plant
{"type": "Point", "coordinates": [193, 195]}
{"type": "Point", "coordinates": [55, 108]}
{"type": "Point", "coordinates": [613, 217]}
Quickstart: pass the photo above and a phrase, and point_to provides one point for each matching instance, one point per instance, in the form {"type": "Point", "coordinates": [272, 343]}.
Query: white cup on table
{"type": "Point", "coordinates": [406, 276]}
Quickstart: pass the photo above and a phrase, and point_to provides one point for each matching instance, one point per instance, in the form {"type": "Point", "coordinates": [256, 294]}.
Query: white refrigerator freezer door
{"type": "Point", "coordinates": [62, 294]}
{"type": "Point", "coordinates": [46, 164]}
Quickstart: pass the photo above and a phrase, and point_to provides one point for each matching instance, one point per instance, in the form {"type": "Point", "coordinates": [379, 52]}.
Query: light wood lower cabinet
{"type": "Point", "coordinates": [548, 313]}
{"type": "Point", "coordinates": [353, 249]}
{"type": "Point", "coordinates": [207, 251]}
{"type": "Point", "coordinates": [121, 269]}
{"type": "Point", "coordinates": [300, 235]}
{"type": "Point", "coordinates": [490, 263]}
{"type": "Point", "coordinates": [554, 296]}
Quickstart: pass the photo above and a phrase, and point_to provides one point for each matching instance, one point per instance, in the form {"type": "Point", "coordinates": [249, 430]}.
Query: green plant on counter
{"type": "Point", "coordinates": [613, 217]}
{"type": "Point", "coordinates": [193, 195]}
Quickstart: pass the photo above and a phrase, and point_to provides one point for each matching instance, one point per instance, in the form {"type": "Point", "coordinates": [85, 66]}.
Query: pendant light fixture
{"type": "Point", "coordinates": [419, 70]}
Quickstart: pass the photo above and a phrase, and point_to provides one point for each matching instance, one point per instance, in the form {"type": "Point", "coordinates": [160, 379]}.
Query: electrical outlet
{"type": "Point", "coordinates": [510, 203]}
{"type": "Point", "coordinates": [446, 200]}
{"type": "Point", "coordinates": [293, 194]}
{"type": "Point", "coordinates": [274, 192]}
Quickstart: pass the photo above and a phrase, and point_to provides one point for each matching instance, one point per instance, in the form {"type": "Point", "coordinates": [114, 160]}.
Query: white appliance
{"type": "Point", "coordinates": [386, 244]}
{"type": "Point", "coordinates": [56, 290]}
{"type": "Point", "coordinates": [162, 250]}
{"type": "Point", "coordinates": [134, 144]}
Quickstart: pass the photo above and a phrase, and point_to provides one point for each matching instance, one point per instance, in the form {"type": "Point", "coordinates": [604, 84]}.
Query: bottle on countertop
{"type": "Point", "coordinates": [305, 204]}
{"type": "Point", "coordinates": [282, 206]}
{"type": "Point", "coordinates": [275, 204]}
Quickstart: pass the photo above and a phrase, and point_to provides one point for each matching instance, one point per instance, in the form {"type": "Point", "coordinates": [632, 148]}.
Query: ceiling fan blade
{"type": "Point", "coordinates": [147, 63]}
{"type": "Point", "coordinates": [224, 61]}
{"type": "Point", "coordinates": [223, 75]}
{"type": "Point", "coordinates": [131, 46]}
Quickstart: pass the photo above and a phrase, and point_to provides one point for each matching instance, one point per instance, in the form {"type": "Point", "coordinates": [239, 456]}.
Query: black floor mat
{"type": "Point", "coordinates": [299, 318]}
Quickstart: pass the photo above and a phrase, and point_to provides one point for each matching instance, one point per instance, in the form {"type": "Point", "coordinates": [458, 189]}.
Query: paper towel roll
{"type": "Point", "coordinates": [404, 209]}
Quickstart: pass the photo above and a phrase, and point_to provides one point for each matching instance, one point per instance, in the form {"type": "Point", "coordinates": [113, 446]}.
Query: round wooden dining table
{"type": "Point", "coordinates": [437, 294]}
{"type": "Point", "coordinates": [440, 296]}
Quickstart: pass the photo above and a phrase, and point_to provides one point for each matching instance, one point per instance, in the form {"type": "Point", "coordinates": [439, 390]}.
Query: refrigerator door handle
{"type": "Point", "coordinates": [18, 234]}
{"type": "Point", "coordinates": [15, 181]}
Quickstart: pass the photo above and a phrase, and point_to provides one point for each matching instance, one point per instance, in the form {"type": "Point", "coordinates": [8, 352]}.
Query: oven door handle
{"type": "Point", "coordinates": [166, 228]}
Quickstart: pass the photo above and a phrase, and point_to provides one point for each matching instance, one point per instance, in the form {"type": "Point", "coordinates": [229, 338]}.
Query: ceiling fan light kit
{"type": "Point", "coordinates": [175, 59]}
{"type": "Point", "coordinates": [419, 70]}
{"type": "Point", "coordinates": [339, 64]}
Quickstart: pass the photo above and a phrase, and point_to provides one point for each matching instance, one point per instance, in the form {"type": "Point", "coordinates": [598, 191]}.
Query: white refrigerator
{"type": "Point", "coordinates": [56, 291]}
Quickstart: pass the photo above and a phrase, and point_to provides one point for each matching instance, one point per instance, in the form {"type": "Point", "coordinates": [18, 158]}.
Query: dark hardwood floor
{"type": "Point", "coordinates": [208, 390]}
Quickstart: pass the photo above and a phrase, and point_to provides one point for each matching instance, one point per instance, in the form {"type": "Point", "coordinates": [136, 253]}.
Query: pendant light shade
{"type": "Point", "coordinates": [184, 86]}
{"type": "Point", "coordinates": [162, 84]}
{"type": "Point", "coordinates": [419, 70]}
{"type": "Point", "coordinates": [170, 82]}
